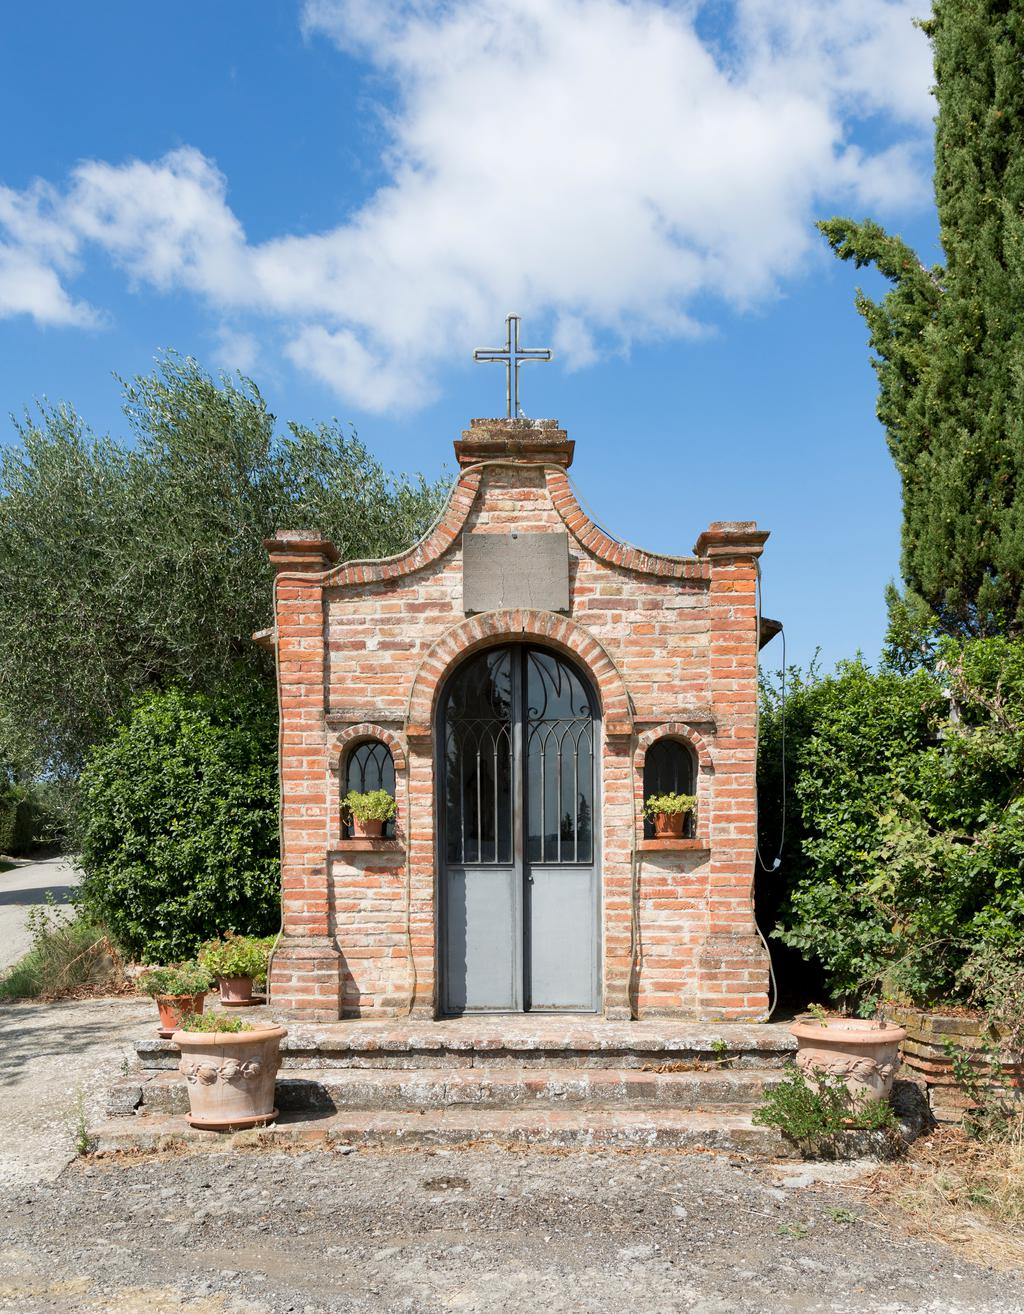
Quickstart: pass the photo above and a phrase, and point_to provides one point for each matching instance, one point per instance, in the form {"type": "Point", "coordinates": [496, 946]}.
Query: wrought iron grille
{"type": "Point", "coordinates": [478, 763]}
{"type": "Point", "coordinates": [559, 763]}
{"type": "Point", "coordinates": [371, 766]}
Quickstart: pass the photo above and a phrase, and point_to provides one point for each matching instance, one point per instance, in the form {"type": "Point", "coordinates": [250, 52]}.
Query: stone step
{"type": "Point", "coordinates": [479, 1088]}
{"type": "Point", "coordinates": [516, 1042]}
{"type": "Point", "coordinates": [556, 1128]}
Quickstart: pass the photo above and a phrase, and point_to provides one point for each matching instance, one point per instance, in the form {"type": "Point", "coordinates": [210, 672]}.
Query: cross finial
{"type": "Point", "coordinates": [512, 356]}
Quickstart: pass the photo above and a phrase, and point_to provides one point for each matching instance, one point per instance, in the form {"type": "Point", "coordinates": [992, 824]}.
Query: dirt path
{"type": "Point", "coordinates": [56, 1060]}
{"type": "Point", "coordinates": [23, 887]}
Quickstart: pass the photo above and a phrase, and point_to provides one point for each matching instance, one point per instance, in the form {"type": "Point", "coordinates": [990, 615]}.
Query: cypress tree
{"type": "Point", "coordinates": [949, 341]}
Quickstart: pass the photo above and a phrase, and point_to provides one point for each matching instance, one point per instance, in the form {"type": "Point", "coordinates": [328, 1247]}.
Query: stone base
{"type": "Point", "coordinates": [732, 978]}
{"type": "Point", "coordinates": [305, 979]}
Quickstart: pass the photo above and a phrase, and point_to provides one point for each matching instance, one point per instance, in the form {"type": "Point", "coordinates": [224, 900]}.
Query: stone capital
{"type": "Point", "coordinates": [731, 538]}
{"type": "Point", "coordinates": [301, 550]}
{"type": "Point", "coordinates": [531, 442]}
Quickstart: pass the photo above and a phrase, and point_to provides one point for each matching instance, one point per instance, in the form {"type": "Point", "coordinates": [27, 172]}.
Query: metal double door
{"type": "Point", "coordinates": [519, 835]}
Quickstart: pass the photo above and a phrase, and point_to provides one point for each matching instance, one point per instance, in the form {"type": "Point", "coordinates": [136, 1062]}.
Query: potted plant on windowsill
{"type": "Point", "coordinates": [369, 811]}
{"type": "Point", "coordinates": [179, 992]}
{"type": "Point", "coordinates": [236, 961]}
{"type": "Point", "coordinates": [669, 813]}
{"type": "Point", "coordinates": [231, 1068]}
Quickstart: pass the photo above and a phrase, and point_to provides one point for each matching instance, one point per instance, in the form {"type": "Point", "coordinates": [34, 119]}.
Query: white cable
{"type": "Point", "coordinates": [757, 850]}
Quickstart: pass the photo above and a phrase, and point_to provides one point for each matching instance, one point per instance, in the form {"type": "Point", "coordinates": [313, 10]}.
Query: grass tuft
{"type": "Point", "coordinates": [966, 1192]}
{"type": "Point", "coordinates": [70, 956]}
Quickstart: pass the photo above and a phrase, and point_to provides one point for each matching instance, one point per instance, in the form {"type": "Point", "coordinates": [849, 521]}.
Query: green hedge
{"type": "Point", "coordinates": [179, 822]}
{"type": "Point", "coordinates": [903, 871]}
{"type": "Point", "coordinates": [23, 823]}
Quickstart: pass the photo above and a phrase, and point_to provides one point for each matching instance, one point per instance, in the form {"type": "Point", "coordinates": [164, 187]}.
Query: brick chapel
{"type": "Point", "coordinates": [520, 682]}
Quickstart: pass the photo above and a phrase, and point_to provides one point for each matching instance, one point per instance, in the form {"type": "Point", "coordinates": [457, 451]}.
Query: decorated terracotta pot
{"type": "Point", "coordinates": [235, 989]}
{"type": "Point", "coordinates": [230, 1076]}
{"type": "Point", "coordinates": [864, 1053]}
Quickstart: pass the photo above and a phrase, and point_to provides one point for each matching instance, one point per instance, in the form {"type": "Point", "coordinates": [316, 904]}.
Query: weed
{"type": "Point", "coordinates": [80, 1126]}
{"type": "Point", "coordinates": [997, 1112]}
{"type": "Point", "coordinates": [720, 1050]}
{"type": "Point", "coordinates": [816, 1110]}
{"type": "Point", "coordinates": [840, 1215]}
{"type": "Point", "coordinates": [967, 1192]}
{"type": "Point", "coordinates": [795, 1230]}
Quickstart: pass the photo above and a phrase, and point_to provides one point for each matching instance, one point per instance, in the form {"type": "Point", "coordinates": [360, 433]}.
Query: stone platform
{"type": "Point", "coordinates": [554, 1081]}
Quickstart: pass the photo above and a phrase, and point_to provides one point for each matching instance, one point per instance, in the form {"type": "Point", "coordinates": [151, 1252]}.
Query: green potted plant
{"type": "Point", "coordinates": [231, 1069]}
{"type": "Point", "coordinates": [369, 811]}
{"type": "Point", "coordinates": [179, 991]}
{"type": "Point", "coordinates": [236, 961]}
{"type": "Point", "coordinates": [669, 812]}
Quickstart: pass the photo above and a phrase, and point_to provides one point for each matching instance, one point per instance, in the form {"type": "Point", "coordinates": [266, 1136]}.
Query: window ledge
{"type": "Point", "coordinates": [657, 845]}
{"type": "Point", "coordinates": [369, 844]}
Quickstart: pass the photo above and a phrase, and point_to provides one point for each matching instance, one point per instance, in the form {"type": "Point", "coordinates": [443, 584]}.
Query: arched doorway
{"type": "Point", "coordinates": [519, 811]}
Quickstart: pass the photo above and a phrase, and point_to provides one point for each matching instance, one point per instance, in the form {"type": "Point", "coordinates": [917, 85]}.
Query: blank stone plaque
{"type": "Point", "coordinates": [515, 570]}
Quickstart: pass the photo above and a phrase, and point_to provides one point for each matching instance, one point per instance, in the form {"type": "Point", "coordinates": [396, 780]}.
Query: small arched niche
{"type": "Point", "coordinates": [366, 766]}
{"type": "Point", "coordinates": [670, 767]}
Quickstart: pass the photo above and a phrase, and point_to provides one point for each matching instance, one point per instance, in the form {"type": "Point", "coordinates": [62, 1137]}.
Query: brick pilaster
{"type": "Point", "coordinates": [306, 971]}
{"type": "Point", "coordinates": [732, 965]}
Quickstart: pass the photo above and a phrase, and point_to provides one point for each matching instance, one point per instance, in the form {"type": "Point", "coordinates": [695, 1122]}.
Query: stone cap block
{"type": "Point", "coordinates": [532, 442]}
{"type": "Point", "coordinates": [731, 538]}
{"type": "Point", "coordinates": [300, 549]}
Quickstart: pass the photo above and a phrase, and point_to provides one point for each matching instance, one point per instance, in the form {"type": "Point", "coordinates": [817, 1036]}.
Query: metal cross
{"type": "Point", "coordinates": [512, 357]}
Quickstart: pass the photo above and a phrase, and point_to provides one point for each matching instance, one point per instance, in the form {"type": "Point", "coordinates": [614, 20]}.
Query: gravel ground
{"type": "Point", "coordinates": [468, 1230]}
{"type": "Point", "coordinates": [479, 1229]}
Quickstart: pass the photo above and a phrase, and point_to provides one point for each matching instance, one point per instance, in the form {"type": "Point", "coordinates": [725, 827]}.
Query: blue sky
{"type": "Point", "coordinates": [344, 197]}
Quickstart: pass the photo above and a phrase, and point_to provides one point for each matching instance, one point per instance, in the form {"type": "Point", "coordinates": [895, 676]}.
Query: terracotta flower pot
{"type": "Point", "coordinates": [669, 824]}
{"type": "Point", "coordinates": [863, 1053]}
{"type": "Point", "coordinates": [230, 1076]}
{"type": "Point", "coordinates": [235, 989]}
{"type": "Point", "coordinates": [367, 829]}
{"type": "Point", "coordinates": [175, 1008]}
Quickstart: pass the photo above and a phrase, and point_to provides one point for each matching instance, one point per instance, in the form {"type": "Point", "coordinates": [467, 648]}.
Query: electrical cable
{"type": "Point", "coordinates": [777, 862]}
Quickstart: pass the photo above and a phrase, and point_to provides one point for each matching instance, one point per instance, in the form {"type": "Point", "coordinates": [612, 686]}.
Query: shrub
{"type": "Point", "coordinates": [179, 979]}
{"type": "Point", "coordinates": [237, 955]}
{"type": "Point", "coordinates": [179, 815]}
{"type": "Point", "coordinates": [905, 829]}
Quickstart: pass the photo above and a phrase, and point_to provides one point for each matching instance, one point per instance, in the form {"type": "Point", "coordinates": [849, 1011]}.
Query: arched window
{"type": "Point", "coordinates": [669, 768]}
{"type": "Point", "coordinates": [370, 766]}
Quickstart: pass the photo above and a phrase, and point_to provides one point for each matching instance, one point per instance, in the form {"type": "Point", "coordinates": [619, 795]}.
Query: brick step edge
{"type": "Point", "coordinates": [156, 1054]}
{"type": "Point", "coordinates": [580, 1130]}
{"type": "Point", "coordinates": [491, 1088]}
{"type": "Point", "coordinates": [619, 1129]}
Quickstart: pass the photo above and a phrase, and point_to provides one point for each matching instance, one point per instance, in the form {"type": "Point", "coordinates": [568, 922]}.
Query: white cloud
{"type": "Point", "coordinates": [593, 164]}
{"type": "Point", "coordinates": [236, 350]}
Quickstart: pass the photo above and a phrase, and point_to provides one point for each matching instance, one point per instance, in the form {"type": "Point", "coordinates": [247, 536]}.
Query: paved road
{"type": "Point", "coordinates": [23, 888]}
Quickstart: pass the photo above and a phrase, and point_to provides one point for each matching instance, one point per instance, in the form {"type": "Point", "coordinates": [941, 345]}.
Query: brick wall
{"type": "Point", "coordinates": [669, 643]}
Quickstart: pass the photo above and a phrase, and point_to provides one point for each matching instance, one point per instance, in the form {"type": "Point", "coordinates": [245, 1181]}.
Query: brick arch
{"type": "Point", "coordinates": [674, 730]}
{"type": "Point", "coordinates": [358, 734]}
{"type": "Point", "coordinates": [544, 627]}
